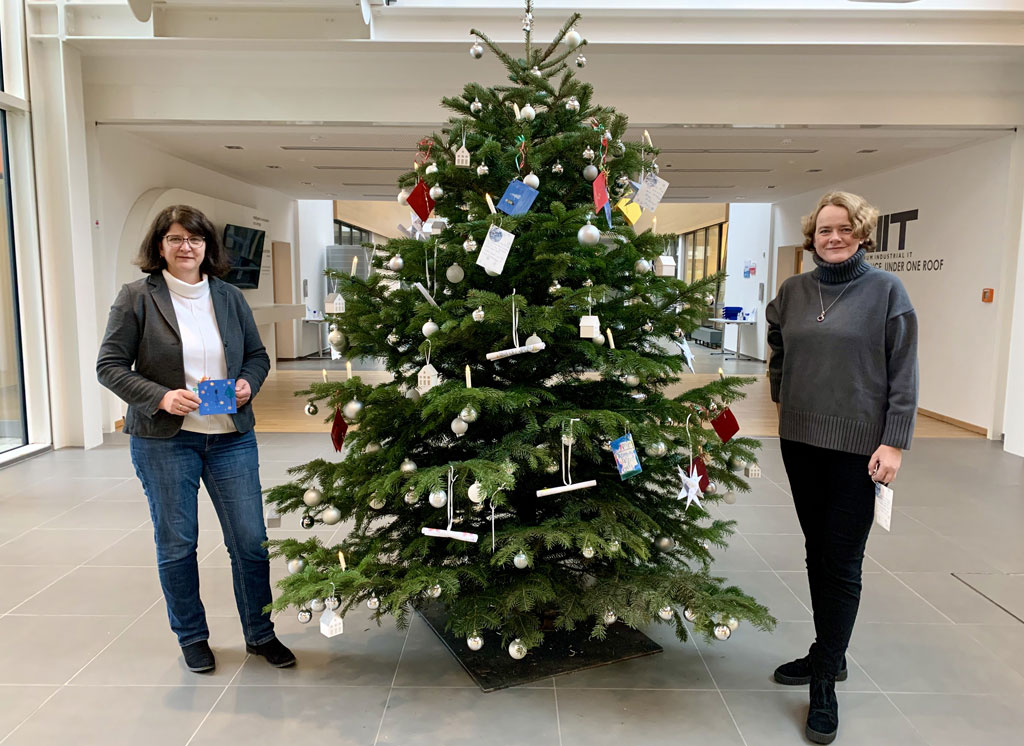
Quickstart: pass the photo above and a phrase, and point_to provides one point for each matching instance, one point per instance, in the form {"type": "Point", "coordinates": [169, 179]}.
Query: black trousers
{"type": "Point", "coordinates": [835, 502]}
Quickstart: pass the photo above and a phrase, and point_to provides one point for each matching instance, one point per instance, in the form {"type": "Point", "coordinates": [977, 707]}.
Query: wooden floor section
{"type": "Point", "coordinates": [279, 411]}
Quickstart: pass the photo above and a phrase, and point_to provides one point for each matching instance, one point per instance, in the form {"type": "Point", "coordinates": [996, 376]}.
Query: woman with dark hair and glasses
{"type": "Point", "coordinates": [178, 326]}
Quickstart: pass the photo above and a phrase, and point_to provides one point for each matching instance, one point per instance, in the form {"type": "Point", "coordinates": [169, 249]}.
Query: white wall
{"type": "Point", "coordinates": [749, 240]}
{"type": "Point", "coordinates": [315, 233]}
{"type": "Point", "coordinates": [963, 225]}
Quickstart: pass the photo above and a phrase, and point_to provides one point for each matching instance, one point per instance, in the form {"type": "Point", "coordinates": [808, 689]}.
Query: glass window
{"type": "Point", "coordinates": [688, 241]}
{"type": "Point", "coordinates": [13, 423]}
{"type": "Point", "coordinates": [712, 260]}
{"type": "Point", "coordinates": [699, 250]}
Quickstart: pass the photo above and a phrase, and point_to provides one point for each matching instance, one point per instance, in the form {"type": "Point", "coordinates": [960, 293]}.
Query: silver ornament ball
{"type": "Point", "coordinates": [642, 266]}
{"type": "Point", "coordinates": [330, 516]}
{"type": "Point", "coordinates": [554, 288]}
{"type": "Point", "coordinates": [657, 449]}
{"type": "Point", "coordinates": [336, 339]}
{"type": "Point", "coordinates": [434, 591]}
{"type": "Point", "coordinates": [308, 522]}
{"type": "Point", "coordinates": [317, 605]}
{"type": "Point", "coordinates": [478, 314]}
{"type": "Point", "coordinates": [666, 613]}
{"type": "Point", "coordinates": [469, 414]}
{"type": "Point", "coordinates": [312, 409]}
{"type": "Point", "coordinates": [588, 552]}
{"type": "Point", "coordinates": [455, 273]}
{"type": "Point", "coordinates": [313, 497]}
{"type": "Point", "coordinates": [372, 447]}
{"type": "Point", "coordinates": [613, 545]}
{"type": "Point", "coordinates": [591, 172]}
{"type": "Point", "coordinates": [521, 560]}
{"type": "Point", "coordinates": [476, 51]}
{"type": "Point", "coordinates": [373, 603]}
{"type": "Point", "coordinates": [573, 104]}
{"type": "Point", "coordinates": [476, 107]}
{"type": "Point", "coordinates": [305, 616]}
{"type": "Point", "coordinates": [408, 466]}
{"type": "Point", "coordinates": [557, 168]}
{"type": "Point", "coordinates": [332, 603]}
{"type": "Point", "coordinates": [469, 245]}
{"type": "Point", "coordinates": [517, 649]}
{"type": "Point", "coordinates": [377, 503]}
{"type": "Point", "coordinates": [352, 409]}
{"type": "Point", "coordinates": [722, 632]}
{"type": "Point", "coordinates": [588, 154]}
{"type": "Point", "coordinates": [482, 170]}
{"type": "Point", "coordinates": [581, 61]}
{"type": "Point", "coordinates": [436, 192]}
{"type": "Point", "coordinates": [392, 339]}
{"type": "Point", "coordinates": [732, 623]}
{"type": "Point", "coordinates": [588, 235]}
{"type": "Point", "coordinates": [609, 617]}
{"type": "Point", "coordinates": [403, 196]}
{"type": "Point", "coordinates": [459, 427]}
{"type": "Point", "coordinates": [664, 543]}
{"type": "Point", "coordinates": [296, 565]}
{"type": "Point", "coordinates": [689, 615]}
{"type": "Point", "coordinates": [648, 327]}
{"type": "Point", "coordinates": [711, 489]}
{"type": "Point", "coordinates": [396, 263]}
{"type": "Point", "coordinates": [411, 498]}
{"type": "Point", "coordinates": [438, 498]}
{"type": "Point", "coordinates": [474, 642]}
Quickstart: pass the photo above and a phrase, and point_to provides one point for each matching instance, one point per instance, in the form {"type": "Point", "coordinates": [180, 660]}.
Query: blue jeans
{"type": "Point", "coordinates": [170, 470]}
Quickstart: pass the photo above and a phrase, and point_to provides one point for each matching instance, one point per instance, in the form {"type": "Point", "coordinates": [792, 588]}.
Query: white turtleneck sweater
{"type": "Point", "coordinates": [202, 348]}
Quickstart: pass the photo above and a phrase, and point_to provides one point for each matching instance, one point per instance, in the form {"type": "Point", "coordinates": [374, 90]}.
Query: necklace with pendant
{"type": "Point", "coordinates": [821, 316]}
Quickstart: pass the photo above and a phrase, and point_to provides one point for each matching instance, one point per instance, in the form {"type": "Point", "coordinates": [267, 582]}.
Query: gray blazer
{"type": "Point", "coordinates": [142, 329]}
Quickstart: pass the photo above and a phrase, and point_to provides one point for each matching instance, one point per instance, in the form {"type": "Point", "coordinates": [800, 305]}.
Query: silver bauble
{"type": "Point", "coordinates": [336, 340]}
{"type": "Point", "coordinates": [377, 503]}
{"type": "Point", "coordinates": [638, 396]}
{"type": "Point", "coordinates": [393, 338]}
{"type": "Point", "coordinates": [677, 333]}
{"type": "Point", "coordinates": [476, 51]}
{"type": "Point", "coordinates": [722, 632]}
{"type": "Point", "coordinates": [711, 489]}
{"type": "Point", "coordinates": [573, 104]}
{"type": "Point", "coordinates": [408, 466]}
{"type": "Point", "coordinates": [478, 314]}
{"type": "Point", "coordinates": [305, 616]}
{"type": "Point", "coordinates": [317, 605]}
{"type": "Point", "coordinates": [476, 493]}
{"type": "Point", "coordinates": [588, 235]}
{"type": "Point", "coordinates": [533, 340]}
{"type": "Point", "coordinates": [455, 273]}
{"type": "Point", "coordinates": [434, 591]}
{"type": "Point", "coordinates": [296, 565]}
{"type": "Point", "coordinates": [469, 245]}
{"type": "Point", "coordinates": [313, 497]}
{"type": "Point", "coordinates": [482, 170]}
{"type": "Point", "coordinates": [532, 180]}
{"type": "Point", "coordinates": [429, 328]}
{"type": "Point", "coordinates": [307, 522]}
{"type": "Point", "coordinates": [352, 409]}
{"type": "Point", "coordinates": [436, 192]}
{"type": "Point", "coordinates": [591, 172]}
{"type": "Point", "coordinates": [689, 615]}
{"type": "Point", "coordinates": [517, 649]}
{"type": "Point", "coordinates": [476, 107]}
{"type": "Point", "coordinates": [521, 560]}
{"type": "Point", "coordinates": [732, 623]}
{"type": "Point", "coordinates": [737, 464]}
{"type": "Point", "coordinates": [474, 642]}
{"type": "Point", "coordinates": [632, 380]}
{"type": "Point", "coordinates": [459, 427]}
{"type": "Point", "coordinates": [609, 617]}
{"type": "Point", "coordinates": [332, 602]}
{"type": "Point", "coordinates": [413, 394]}
{"type": "Point", "coordinates": [469, 413]}
{"type": "Point", "coordinates": [655, 168]}
{"type": "Point", "coordinates": [396, 263]}
{"type": "Point", "coordinates": [438, 498]}
{"type": "Point", "coordinates": [664, 543]}
{"type": "Point", "coordinates": [729, 498]}
{"type": "Point", "coordinates": [373, 603]}
{"type": "Point", "coordinates": [528, 113]}
{"type": "Point", "coordinates": [709, 299]}
{"type": "Point", "coordinates": [312, 409]}
{"type": "Point", "coordinates": [613, 545]}
{"type": "Point", "coordinates": [551, 468]}
{"type": "Point", "coordinates": [657, 449]}
{"type": "Point", "coordinates": [642, 266]}
{"type": "Point", "coordinates": [534, 70]}
{"type": "Point", "coordinates": [403, 197]}
{"type": "Point", "coordinates": [588, 283]}
{"type": "Point", "coordinates": [588, 552]}
{"type": "Point", "coordinates": [666, 613]}
{"type": "Point", "coordinates": [557, 168]}
{"type": "Point", "coordinates": [598, 339]}
{"type": "Point", "coordinates": [411, 498]}
{"type": "Point", "coordinates": [555, 287]}
{"type": "Point", "coordinates": [330, 516]}
{"type": "Point", "coordinates": [581, 61]}
{"type": "Point", "coordinates": [572, 38]}
{"type": "Point", "coordinates": [588, 153]}
{"type": "Point", "coordinates": [372, 447]}
{"type": "Point", "coordinates": [648, 327]}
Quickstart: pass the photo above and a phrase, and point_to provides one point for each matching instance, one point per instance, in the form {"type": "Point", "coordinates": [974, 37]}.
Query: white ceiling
{"type": "Point", "coordinates": [703, 163]}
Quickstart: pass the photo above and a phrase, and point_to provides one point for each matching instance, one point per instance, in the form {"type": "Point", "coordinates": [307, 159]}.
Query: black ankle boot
{"type": "Point", "coordinates": [823, 715]}
{"type": "Point", "coordinates": [198, 657]}
{"type": "Point", "coordinates": [274, 651]}
{"type": "Point", "coordinates": [798, 672]}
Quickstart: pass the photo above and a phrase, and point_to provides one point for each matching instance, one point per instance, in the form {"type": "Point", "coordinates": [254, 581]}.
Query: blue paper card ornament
{"type": "Point", "coordinates": [217, 396]}
{"type": "Point", "coordinates": [517, 199]}
{"type": "Point", "coordinates": [627, 461]}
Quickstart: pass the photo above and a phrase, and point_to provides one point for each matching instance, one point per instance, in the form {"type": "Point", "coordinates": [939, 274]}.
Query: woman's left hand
{"type": "Point", "coordinates": [242, 392]}
{"type": "Point", "coordinates": [885, 464]}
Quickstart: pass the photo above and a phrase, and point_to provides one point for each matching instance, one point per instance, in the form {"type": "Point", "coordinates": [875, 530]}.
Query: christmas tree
{"type": "Point", "coordinates": [448, 470]}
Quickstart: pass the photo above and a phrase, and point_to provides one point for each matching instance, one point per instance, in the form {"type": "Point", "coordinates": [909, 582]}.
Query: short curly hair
{"type": "Point", "coordinates": [215, 262]}
{"type": "Point", "coordinates": [863, 216]}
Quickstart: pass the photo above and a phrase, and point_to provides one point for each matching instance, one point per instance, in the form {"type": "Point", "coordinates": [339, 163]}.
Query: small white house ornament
{"type": "Point", "coordinates": [427, 378]}
{"type": "Point", "coordinates": [331, 625]}
{"type": "Point", "coordinates": [334, 303]}
{"type": "Point", "coordinates": [665, 266]}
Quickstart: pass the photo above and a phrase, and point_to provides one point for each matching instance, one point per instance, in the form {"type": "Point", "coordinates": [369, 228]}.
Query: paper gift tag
{"type": "Point", "coordinates": [517, 198]}
{"type": "Point", "coordinates": [462, 157]}
{"type": "Point", "coordinates": [725, 425]}
{"type": "Point", "coordinates": [419, 200]}
{"type": "Point", "coordinates": [883, 505]}
{"type": "Point", "coordinates": [702, 472]}
{"type": "Point", "coordinates": [626, 459]}
{"type": "Point", "coordinates": [630, 211]}
{"type": "Point", "coordinates": [652, 189]}
{"type": "Point", "coordinates": [338, 429]}
{"type": "Point", "coordinates": [600, 190]}
{"type": "Point", "coordinates": [331, 625]}
{"type": "Point", "coordinates": [495, 249]}
{"type": "Point", "coordinates": [217, 396]}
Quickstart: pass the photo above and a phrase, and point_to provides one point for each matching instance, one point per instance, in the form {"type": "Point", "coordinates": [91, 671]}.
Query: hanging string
{"type": "Point", "coordinates": [451, 496]}
{"type": "Point", "coordinates": [567, 455]}
{"type": "Point", "coordinates": [428, 352]}
{"type": "Point", "coordinates": [492, 525]}
{"type": "Point", "coordinates": [689, 442]}
{"type": "Point", "coordinates": [435, 268]}
{"type": "Point", "coordinates": [515, 320]}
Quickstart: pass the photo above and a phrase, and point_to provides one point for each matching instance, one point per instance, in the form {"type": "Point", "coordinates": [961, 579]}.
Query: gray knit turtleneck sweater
{"type": "Point", "coordinates": [848, 383]}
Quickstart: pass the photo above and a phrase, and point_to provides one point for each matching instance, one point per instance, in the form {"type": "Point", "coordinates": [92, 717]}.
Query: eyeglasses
{"type": "Point", "coordinates": [175, 242]}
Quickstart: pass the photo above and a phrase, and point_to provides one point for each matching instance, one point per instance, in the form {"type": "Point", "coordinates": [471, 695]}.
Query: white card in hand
{"type": "Point", "coordinates": [883, 505]}
{"type": "Point", "coordinates": [495, 249]}
{"type": "Point", "coordinates": [652, 189]}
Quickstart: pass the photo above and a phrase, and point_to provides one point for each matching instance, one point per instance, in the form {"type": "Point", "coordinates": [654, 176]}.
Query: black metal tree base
{"type": "Point", "coordinates": [492, 668]}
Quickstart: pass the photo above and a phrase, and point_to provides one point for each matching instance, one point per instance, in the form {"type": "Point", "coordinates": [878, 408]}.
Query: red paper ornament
{"type": "Point", "coordinates": [338, 429]}
{"type": "Point", "coordinates": [600, 191]}
{"type": "Point", "coordinates": [702, 472]}
{"type": "Point", "coordinates": [419, 200]}
{"type": "Point", "coordinates": [726, 425]}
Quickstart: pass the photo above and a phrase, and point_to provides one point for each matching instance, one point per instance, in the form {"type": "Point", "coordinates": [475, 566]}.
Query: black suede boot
{"type": "Point", "coordinates": [274, 651]}
{"type": "Point", "coordinates": [198, 657]}
{"type": "Point", "coordinates": [798, 672]}
{"type": "Point", "coordinates": [823, 715]}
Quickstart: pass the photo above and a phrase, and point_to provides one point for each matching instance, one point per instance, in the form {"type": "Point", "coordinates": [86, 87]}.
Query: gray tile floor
{"type": "Point", "coordinates": [85, 652]}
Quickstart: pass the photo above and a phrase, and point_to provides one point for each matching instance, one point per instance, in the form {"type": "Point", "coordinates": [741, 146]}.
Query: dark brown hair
{"type": "Point", "coordinates": [215, 262]}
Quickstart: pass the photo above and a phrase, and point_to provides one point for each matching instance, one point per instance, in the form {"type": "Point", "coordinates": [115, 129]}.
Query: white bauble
{"type": "Point", "coordinates": [411, 498]}
{"type": "Point", "coordinates": [296, 565]}
{"type": "Point", "coordinates": [482, 170]}
{"type": "Point", "coordinates": [517, 649]}
{"type": "Point", "coordinates": [396, 263]}
{"type": "Point", "coordinates": [403, 197]}
{"type": "Point", "coordinates": [373, 603]}
{"type": "Point", "coordinates": [664, 543]}
{"type": "Point", "coordinates": [588, 235]}
{"type": "Point", "coordinates": [336, 339]}
{"type": "Point", "coordinates": [474, 642]}
{"type": "Point", "coordinates": [352, 409]}
{"type": "Point", "coordinates": [657, 449]}
{"type": "Point", "coordinates": [528, 113]}
{"type": "Point", "coordinates": [533, 339]}
{"type": "Point", "coordinates": [478, 314]}
{"type": "Point", "coordinates": [642, 266]}
{"type": "Point", "coordinates": [372, 447]}
{"type": "Point", "coordinates": [598, 339]}
{"type": "Point", "coordinates": [408, 466]}
{"type": "Point", "coordinates": [438, 498]}
{"type": "Point", "coordinates": [573, 38]}
{"type": "Point", "coordinates": [377, 503]}
{"type": "Point", "coordinates": [332, 602]}
{"type": "Point", "coordinates": [431, 169]}
{"type": "Point", "coordinates": [631, 380]}
{"type": "Point", "coordinates": [413, 394]}
{"type": "Point", "coordinates": [588, 552]}
{"type": "Point", "coordinates": [430, 328]}
{"type": "Point", "coordinates": [459, 426]}
{"type": "Point", "coordinates": [436, 192]}
{"type": "Point", "coordinates": [476, 493]}
{"type": "Point", "coordinates": [666, 613]}
{"type": "Point", "coordinates": [609, 617]}
{"type": "Point", "coordinates": [521, 561]}
{"type": "Point", "coordinates": [532, 180]}
{"type": "Point", "coordinates": [729, 498]}
{"type": "Point", "coordinates": [434, 591]}
{"type": "Point", "coordinates": [313, 497]}
{"type": "Point", "coordinates": [330, 516]}
{"type": "Point", "coordinates": [455, 273]}
{"type": "Point", "coordinates": [732, 623]}
{"type": "Point", "coordinates": [469, 245]}
{"type": "Point", "coordinates": [591, 172]}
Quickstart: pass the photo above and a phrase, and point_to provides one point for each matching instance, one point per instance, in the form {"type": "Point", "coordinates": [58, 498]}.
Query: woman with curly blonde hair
{"type": "Point", "coordinates": [843, 373]}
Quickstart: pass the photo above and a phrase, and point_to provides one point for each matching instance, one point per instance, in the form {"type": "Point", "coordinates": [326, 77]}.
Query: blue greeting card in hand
{"type": "Point", "coordinates": [517, 199]}
{"type": "Point", "coordinates": [217, 396]}
{"type": "Point", "coordinates": [626, 459]}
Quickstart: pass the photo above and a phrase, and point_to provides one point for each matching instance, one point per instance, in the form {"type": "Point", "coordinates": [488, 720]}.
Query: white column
{"type": "Point", "coordinates": [1010, 377]}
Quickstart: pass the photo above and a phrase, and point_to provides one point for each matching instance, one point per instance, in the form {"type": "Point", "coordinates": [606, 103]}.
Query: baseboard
{"type": "Point", "coordinates": [953, 421]}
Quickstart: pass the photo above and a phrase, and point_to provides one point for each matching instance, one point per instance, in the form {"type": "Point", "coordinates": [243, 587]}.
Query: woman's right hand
{"type": "Point", "coordinates": [179, 402]}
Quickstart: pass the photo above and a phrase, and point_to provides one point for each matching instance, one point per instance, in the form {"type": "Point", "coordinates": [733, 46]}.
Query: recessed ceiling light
{"type": "Point", "coordinates": [868, 150]}
{"type": "Point", "coordinates": [234, 147]}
